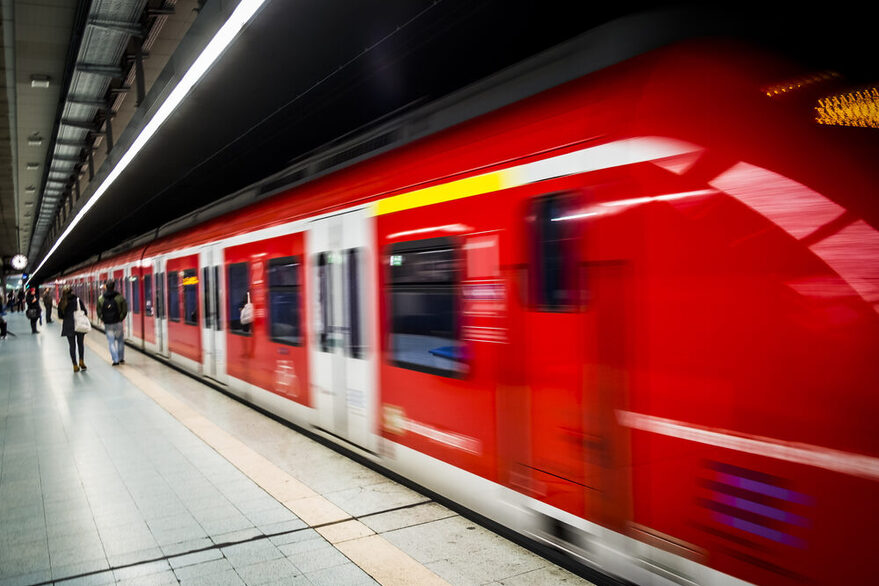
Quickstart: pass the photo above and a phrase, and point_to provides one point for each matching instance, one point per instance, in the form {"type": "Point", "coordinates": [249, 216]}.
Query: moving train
{"type": "Point", "coordinates": [632, 316]}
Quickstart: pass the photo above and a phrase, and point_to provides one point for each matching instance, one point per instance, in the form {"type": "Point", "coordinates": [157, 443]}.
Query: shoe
{"type": "Point", "coordinates": [115, 364]}
{"type": "Point", "coordinates": [82, 365]}
{"type": "Point", "coordinates": [75, 368]}
{"type": "Point", "coordinates": [121, 362]}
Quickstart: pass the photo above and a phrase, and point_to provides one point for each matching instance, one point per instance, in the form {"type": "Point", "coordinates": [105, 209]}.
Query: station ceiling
{"type": "Point", "coordinates": [300, 75]}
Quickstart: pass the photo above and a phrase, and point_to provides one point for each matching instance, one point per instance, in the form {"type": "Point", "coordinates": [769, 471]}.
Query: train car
{"type": "Point", "coordinates": [633, 317]}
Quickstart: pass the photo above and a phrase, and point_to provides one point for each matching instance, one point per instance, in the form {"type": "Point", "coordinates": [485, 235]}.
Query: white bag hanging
{"type": "Point", "coordinates": [81, 324]}
{"type": "Point", "coordinates": [247, 312]}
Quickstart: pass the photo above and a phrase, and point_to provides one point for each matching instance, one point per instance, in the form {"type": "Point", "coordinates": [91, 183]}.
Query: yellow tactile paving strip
{"type": "Point", "coordinates": [371, 552]}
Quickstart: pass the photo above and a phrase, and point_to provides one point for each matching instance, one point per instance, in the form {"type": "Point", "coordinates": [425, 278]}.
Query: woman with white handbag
{"type": "Point", "coordinates": [74, 325]}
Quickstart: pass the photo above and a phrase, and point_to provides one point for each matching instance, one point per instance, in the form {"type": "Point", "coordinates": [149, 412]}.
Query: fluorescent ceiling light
{"type": "Point", "coordinates": [40, 81]}
{"type": "Point", "coordinates": [242, 14]}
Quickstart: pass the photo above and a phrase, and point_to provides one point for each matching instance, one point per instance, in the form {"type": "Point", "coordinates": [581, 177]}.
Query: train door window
{"type": "Point", "coordinates": [324, 291]}
{"type": "Point", "coordinates": [239, 286]}
{"type": "Point", "coordinates": [424, 307]}
{"type": "Point", "coordinates": [148, 295]}
{"type": "Point", "coordinates": [284, 301]}
{"type": "Point", "coordinates": [208, 285]}
{"type": "Point", "coordinates": [355, 334]}
{"type": "Point", "coordinates": [217, 324]}
{"type": "Point", "coordinates": [135, 296]}
{"type": "Point", "coordinates": [174, 296]}
{"type": "Point", "coordinates": [190, 297]}
{"type": "Point", "coordinates": [160, 295]}
{"type": "Point", "coordinates": [554, 264]}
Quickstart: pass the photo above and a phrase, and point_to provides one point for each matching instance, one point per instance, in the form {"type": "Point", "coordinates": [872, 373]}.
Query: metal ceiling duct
{"type": "Point", "coordinates": [88, 106]}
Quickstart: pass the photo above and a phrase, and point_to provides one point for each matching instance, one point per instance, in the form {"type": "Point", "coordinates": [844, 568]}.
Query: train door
{"type": "Point", "coordinates": [149, 304]}
{"type": "Point", "coordinates": [575, 360]}
{"type": "Point", "coordinates": [161, 321]}
{"type": "Point", "coordinates": [126, 287]}
{"type": "Point", "coordinates": [554, 348]}
{"type": "Point", "coordinates": [213, 340]}
{"type": "Point", "coordinates": [343, 366]}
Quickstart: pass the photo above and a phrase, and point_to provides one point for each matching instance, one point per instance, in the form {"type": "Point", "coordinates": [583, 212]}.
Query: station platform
{"type": "Point", "coordinates": [138, 474]}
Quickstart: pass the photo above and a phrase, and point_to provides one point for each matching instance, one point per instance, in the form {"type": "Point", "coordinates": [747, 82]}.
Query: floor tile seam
{"type": "Point", "coordinates": [168, 557]}
{"type": "Point", "coordinates": [402, 559]}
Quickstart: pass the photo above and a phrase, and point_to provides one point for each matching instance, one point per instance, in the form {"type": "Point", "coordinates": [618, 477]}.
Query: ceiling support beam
{"type": "Point", "coordinates": [131, 28]}
{"type": "Point", "coordinates": [138, 69]}
{"type": "Point", "coordinates": [99, 69]}
{"type": "Point", "coordinates": [91, 126]}
{"type": "Point", "coordinates": [109, 132]}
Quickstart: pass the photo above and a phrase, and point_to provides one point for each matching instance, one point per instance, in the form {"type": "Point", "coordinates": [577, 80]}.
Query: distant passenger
{"type": "Point", "coordinates": [47, 302]}
{"type": "Point", "coordinates": [19, 300]}
{"type": "Point", "coordinates": [68, 304]}
{"type": "Point", "coordinates": [34, 311]}
{"type": "Point", "coordinates": [112, 309]}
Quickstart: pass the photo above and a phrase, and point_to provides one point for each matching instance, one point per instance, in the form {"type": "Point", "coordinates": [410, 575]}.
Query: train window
{"type": "Point", "coordinates": [135, 296]}
{"type": "Point", "coordinates": [160, 295]}
{"type": "Point", "coordinates": [355, 336]}
{"type": "Point", "coordinates": [190, 297]}
{"type": "Point", "coordinates": [208, 313]}
{"type": "Point", "coordinates": [324, 291]}
{"type": "Point", "coordinates": [216, 282]}
{"type": "Point", "coordinates": [174, 296]}
{"type": "Point", "coordinates": [148, 295]}
{"type": "Point", "coordinates": [239, 286]}
{"type": "Point", "coordinates": [284, 301]}
{"type": "Point", "coordinates": [554, 284]}
{"type": "Point", "coordinates": [424, 303]}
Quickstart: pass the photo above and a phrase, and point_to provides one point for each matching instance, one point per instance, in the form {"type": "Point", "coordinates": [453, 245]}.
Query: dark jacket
{"type": "Point", "coordinates": [66, 316]}
{"type": "Point", "coordinates": [33, 302]}
{"type": "Point", "coordinates": [121, 306]}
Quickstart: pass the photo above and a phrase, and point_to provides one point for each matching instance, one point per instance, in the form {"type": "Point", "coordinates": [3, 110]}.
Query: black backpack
{"type": "Point", "coordinates": [110, 310]}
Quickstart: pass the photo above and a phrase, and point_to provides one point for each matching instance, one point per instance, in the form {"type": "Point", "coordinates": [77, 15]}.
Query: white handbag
{"type": "Point", "coordinates": [247, 312]}
{"type": "Point", "coordinates": [81, 324]}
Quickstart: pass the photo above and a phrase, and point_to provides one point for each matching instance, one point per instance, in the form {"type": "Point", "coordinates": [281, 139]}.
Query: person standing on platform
{"type": "Point", "coordinates": [34, 312]}
{"type": "Point", "coordinates": [112, 309]}
{"type": "Point", "coordinates": [47, 302]}
{"type": "Point", "coordinates": [19, 300]}
{"type": "Point", "coordinates": [66, 306]}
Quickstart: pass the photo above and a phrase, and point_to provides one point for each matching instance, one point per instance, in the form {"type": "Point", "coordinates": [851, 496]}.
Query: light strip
{"type": "Point", "coordinates": [242, 14]}
{"type": "Point", "coordinates": [799, 453]}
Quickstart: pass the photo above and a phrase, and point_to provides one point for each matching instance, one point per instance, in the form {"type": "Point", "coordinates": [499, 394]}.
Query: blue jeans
{"type": "Point", "coordinates": [116, 338]}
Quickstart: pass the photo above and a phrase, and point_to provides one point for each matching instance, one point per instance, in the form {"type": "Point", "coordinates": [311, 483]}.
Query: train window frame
{"type": "Point", "coordinates": [208, 314]}
{"type": "Point", "coordinates": [190, 289]}
{"type": "Point", "coordinates": [541, 287]}
{"type": "Point", "coordinates": [173, 308]}
{"type": "Point", "coordinates": [161, 302]}
{"type": "Point", "coordinates": [457, 367]}
{"type": "Point", "coordinates": [135, 295]}
{"type": "Point", "coordinates": [274, 289]}
{"type": "Point", "coordinates": [323, 328]}
{"type": "Point", "coordinates": [148, 295]}
{"type": "Point", "coordinates": [218, 321]}
{"type": "Point", "coordinates": [234, 311]}
{"type": "Point", "coordinates": [355, 346]}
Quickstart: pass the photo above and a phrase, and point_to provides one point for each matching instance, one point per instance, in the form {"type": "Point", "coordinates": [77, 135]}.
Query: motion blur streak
{"type": "Point", "coordinates": [800, 453]}
{"type": "Point", "coordinates": [851, 251]}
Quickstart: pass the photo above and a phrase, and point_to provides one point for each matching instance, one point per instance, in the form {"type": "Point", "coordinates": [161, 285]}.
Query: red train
{"type": "Point", "coordinates": [634, 317]}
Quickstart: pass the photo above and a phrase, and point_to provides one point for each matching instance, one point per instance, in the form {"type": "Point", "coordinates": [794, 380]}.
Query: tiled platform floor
{"type": "Point", "coordinates": [141, 475]}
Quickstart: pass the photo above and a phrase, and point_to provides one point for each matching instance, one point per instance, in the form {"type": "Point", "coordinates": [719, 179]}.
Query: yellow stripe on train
{"type": "Point", "coordinates": [450, 191]}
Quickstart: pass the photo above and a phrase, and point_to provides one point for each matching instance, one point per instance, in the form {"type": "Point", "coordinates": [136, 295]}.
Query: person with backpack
{"type": "Point", "coordinates": [112, 309]}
